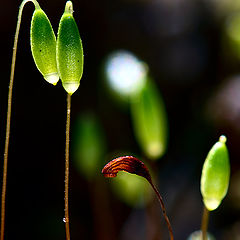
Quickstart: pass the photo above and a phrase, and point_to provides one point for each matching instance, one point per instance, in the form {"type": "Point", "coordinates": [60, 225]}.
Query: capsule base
{"type": "Point", "coordinates": [52, 78]}
{"type": "Point", "coordinates": [70, 87]}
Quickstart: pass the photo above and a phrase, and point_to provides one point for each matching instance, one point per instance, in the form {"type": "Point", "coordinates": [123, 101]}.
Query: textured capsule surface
{"type": "Point", "coordinates": [69, 51]}
{"type": "Point", "coordinates": [215, 175]}
{"type": "Point", "coordinates": [43, 46]}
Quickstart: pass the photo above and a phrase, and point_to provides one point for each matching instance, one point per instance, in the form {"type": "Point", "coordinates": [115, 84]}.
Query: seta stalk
{"type": "Point", "coordinates": [69, 56]}
{"type": "Point", "coordinates": [204, 225]}
{"type": "Point", "coordinates": [66, 209]}
{"type": "Point", "coordinates": [9, 111]}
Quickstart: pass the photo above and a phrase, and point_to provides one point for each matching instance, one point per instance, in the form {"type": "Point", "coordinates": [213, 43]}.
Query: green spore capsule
{"type": "Point", "coordinates": [215, 175]}
{"type": "Point", "coordinates": [43, 46]}
{"type": "Point", "coordinates": [69, 51]}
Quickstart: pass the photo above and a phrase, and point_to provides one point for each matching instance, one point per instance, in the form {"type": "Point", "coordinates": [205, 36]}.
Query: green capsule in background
{"type": "Point", "coordinates": [132, 189]}
{"type": "Point", "coordinates": [231, 37]}
{"type": "Point", "coordinates": [43, 46]}
{"type": "Point", "coordinates": [69, 51]}
{"type": "Point", "coordinates": [89, 145]}
{"type": "Point", "coordinates": [215, 175]}
{"type": "Point", "coordinates": [150, 121]}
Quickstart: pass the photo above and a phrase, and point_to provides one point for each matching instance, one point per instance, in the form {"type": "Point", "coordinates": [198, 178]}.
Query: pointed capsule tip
{"type": "Point", "coordinates": [69, 7]}
{"type": "Point", "coordinates": [222, 139]}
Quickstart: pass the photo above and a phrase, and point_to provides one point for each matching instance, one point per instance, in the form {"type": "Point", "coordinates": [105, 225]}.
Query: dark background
{"type": "Point", "coordinates": [197, 73]}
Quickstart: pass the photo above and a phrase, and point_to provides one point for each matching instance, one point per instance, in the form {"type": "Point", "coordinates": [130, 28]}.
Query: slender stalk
{"type": "Point", "coordinates": [163, 210]}
{"type": "Point", "coordinates": [9, 110]}
{"type": "Point", "coordinates": [204, 226]}
{"type": "Point", "coordinates": [67, 166]}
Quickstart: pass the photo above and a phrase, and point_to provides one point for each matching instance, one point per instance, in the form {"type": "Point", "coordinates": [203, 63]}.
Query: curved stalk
{"type": "Point", "coordinates": [163, 210]}
{"type": "Point", "coordinates": [66, 219]}
{"type": "Point", "coordinates": [9, 108]}
{"type": "Point", "coordinates": [133, 165]}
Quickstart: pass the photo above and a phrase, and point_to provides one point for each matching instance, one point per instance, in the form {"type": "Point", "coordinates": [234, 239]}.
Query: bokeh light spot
{"type": "Point", "coordinates": [126, 74]}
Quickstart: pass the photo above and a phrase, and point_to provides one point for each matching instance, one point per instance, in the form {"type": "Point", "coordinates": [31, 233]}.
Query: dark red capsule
{"type": "Point", "coordinates": [128, 164]}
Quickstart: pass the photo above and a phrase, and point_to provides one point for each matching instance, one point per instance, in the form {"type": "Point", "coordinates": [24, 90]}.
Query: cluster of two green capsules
{"type": "Point", "coordinates": [61, 58]}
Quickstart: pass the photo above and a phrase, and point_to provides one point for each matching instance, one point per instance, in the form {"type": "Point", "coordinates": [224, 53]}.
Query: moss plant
{"type": "Point", "coordinates": [46, 40]}
{"type": "Point", "coordinates": [68, 63]}
{"type": "Point", "coordinates": [70, 67]}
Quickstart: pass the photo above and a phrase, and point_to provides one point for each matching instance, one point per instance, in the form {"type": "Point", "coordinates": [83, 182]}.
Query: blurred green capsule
{"type": "Point", "coordinates": [150, 121]}
{"type": "Point", "coordinates": [43, 46]}
{"type": "Point", "coordinates": [132, 189]}
{"type": "Point", "coordinates": [69, 51]}
{"type": "Point", "coordinates": [231, 36]}
{"type": "Point", "coordinates": [215, 175]}
{"type": "Point", "coordinates": [89, 146]}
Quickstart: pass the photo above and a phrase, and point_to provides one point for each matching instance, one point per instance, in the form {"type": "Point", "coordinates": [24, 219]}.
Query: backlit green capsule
{"type": "Point", "coordinates": [43, 46]}
{"type": "Point", "coordinates": [215, 175]}
{"type": "Point", "coordinates": [69, 51]}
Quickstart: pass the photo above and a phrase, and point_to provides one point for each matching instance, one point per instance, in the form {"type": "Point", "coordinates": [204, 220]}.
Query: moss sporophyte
{"type": "Point", "coordinates": [44, 44]}
{"type": "Point", "coordinates": [215, 175]}
{"type": "Point", "coordinates": [69, 51]}
{"type": "Point", "coordinates": [63, 57]}
{"type": "Point", "coordinates": [214, 180]}
{"type": "Point", "coordinates": [69, 55]}
{"type": "Point", "coordinates": [133, 165]}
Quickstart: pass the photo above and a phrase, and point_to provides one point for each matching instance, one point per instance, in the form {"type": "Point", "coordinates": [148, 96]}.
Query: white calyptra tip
{"type": "Point", "coordinates": [69, 7]}
{"type": "Point", "coordinates": [222, 139]}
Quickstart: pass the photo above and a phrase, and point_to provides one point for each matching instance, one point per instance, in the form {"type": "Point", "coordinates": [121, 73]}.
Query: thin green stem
{"type": "Point", "coordinates": [163, 210]}
{"type": "Point", "coordinates": [204, 226]}
{"type": "Point", "coordinates": [9, 108]}
{"type": "Point", "coordinates": [67, 167]}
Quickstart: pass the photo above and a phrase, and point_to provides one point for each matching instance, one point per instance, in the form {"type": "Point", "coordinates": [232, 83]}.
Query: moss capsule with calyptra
{"type": "Point", "coordinates": [215, 175]}
{"type": "Point", "coordinates": [43, 46]}
{"type": "Point", "coordinates": [69, 51]}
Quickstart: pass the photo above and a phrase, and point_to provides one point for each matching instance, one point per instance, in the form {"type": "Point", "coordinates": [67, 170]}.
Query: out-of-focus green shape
{"type": "Point", "coordinates": [215, 175]}
{"type": "Point", "coordinates": [197, 235]}
{"type": "Point", "coordinates": [150, 121]}
{"type": "Point", "coordinates": [89, 146]}
{"type": "Point", "coordinates": [232, 31]}
{"type": "Point", "coordinates": [132, 189]}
